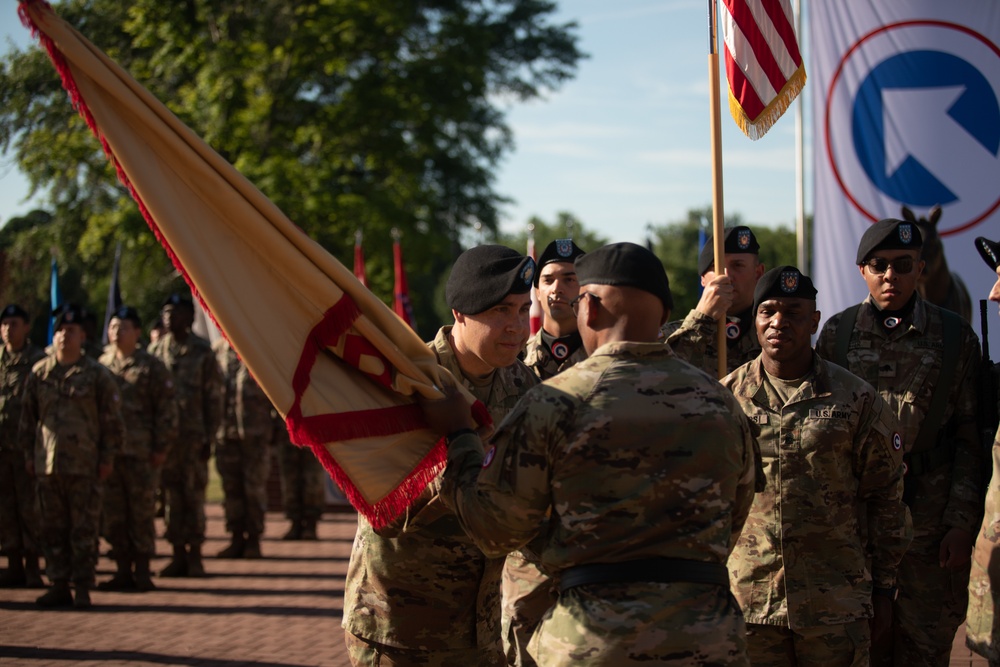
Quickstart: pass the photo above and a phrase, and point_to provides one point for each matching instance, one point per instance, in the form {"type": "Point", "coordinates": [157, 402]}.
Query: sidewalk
{"type": "Point", "coordinates": [281, 611]}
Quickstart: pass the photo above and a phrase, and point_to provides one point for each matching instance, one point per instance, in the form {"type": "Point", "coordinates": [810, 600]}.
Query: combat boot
{"type": "Point", "coordinates": [143, 582]}
{"type": "Point", "coordinates": [177, 567]}
{"type": "Point", "coordinates": [57, 596]}
{"type": "Point", "coordinates": [81, 597]}
{"type": "Point", "coordinates": [252, 549]}
{"type": "Point", "coordinates": [122, 581]}
{"type": "Point", "coordinates": [195, 568]}
{"type": "Point", "coordinates": [13, 576]}
{"type": "Point", "coordinates": [309, 529]}
{"type": "Point", "coordinates": [236, 546]}
{"type": "Point", "coordinates": [32, 573]}
{"type": "Point", "coordinates": [294, 531]}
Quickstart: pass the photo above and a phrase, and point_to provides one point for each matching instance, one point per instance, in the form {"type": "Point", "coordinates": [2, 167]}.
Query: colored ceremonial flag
{"type": "Point", "coordinates": [55, 298]}
{"type": "Point", "coordinates": [114, 293]}
{"type": "Point", "coordinates": [401, 292]}
{"type": "Point", "coordinates": [359, 259]}
{"type": "Point", "coordinates": [907, 114]}
{"type": "Point", "coordinates": [763, 62]}
{"type": "Point", "coordinates": [535, 313]}
{"type": "Point", "coordinates": [340, 367]}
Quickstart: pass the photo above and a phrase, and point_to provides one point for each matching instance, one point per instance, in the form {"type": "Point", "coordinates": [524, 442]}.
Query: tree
{"type": "Point", "coordinates": [346, 114]}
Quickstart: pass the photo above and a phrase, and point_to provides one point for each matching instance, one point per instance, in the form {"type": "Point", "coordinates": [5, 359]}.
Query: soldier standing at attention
{"type": "Point", "coordinates": [831, 452]}
{"type": "Point", "coordinates": [71, 430]}
{"type": "Point", "coordinates": [420, 592]}
{"type": "Point", "coordinates": [557, 345]}
{"type": "Point", "coordinates": [982, 627]}
{"type": "Point", "coordinates": [185, 472]}
{"type": "Point", "coordinates": [243, 453]}
{"type": "Point", "coordinates": [150, 413]}
{"type": "Point", "coordinates": [19, 522]}
{"type": "Point", "coordinates": [633, 470]}
{"type": "Point", "coordinates": [924, 362]}
{"type": "Point", "coordinates": [302, 486]}
{"type": "Point", "coordinates": [694, 339]}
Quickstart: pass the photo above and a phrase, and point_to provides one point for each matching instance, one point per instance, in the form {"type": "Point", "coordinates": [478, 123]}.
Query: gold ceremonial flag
{"type": "Point", "coordinates": [337, 363]}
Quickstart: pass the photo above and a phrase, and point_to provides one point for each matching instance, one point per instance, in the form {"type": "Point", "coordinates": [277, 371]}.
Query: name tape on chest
{"type": "Point", "coordinates": [828, 413]}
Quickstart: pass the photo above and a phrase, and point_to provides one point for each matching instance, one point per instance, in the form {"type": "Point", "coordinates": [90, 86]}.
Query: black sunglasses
{"type": "Point", "coordinates": [879, 265]}
{"type": "Point", "coordinates": [575, 303]}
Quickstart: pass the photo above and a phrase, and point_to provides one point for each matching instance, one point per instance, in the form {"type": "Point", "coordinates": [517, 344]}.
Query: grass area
{"type": "Point", "coordinates": [214, 494]}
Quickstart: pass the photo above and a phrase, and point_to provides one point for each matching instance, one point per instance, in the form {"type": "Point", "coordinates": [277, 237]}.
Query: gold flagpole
{"type": "Point", "coordinates": [718, 218]}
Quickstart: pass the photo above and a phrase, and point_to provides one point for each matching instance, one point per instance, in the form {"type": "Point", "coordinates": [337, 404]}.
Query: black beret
{"type": "Point", "coordinates": [625, 265]}
{"type": "Point", "coordinates": [889, 234]}
{"type": "Point", "coordinates": [989, 250]}
{"type": "Point", "coordinates": [14, 310]}
{"type": "Point", "coordinates": [560, 250]}
{"type": "Point", "coordinates": [69, 313]}
{"type": "Point", "coordinates": [483, 276]}
{"type": "Point", "coordinates": [783, 282]}
{"type": "Point", "coordinates": [128, 313]}
{"type": "Point", "coordinates": [178, 300]}
{"type": "Point", "coordinates": [737, 240]}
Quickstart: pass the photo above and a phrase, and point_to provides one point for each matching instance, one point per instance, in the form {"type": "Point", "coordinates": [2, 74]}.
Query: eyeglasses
{"type": "Point", "coordinates": [575, 303]}
{"type": "Point", "coordinates": [879, 265]}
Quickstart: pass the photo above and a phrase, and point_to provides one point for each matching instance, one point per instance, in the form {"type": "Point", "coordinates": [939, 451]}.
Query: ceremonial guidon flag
{"type": "Point", "coordinates": [763, 63]}
{"type": "Point", "coordinates": [334, 360]}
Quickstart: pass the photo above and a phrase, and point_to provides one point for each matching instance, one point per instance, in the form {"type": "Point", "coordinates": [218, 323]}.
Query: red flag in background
{"type": "Point", "coordinates": [359, 259]}
{"type": "Point", "coordinates": [763, 62]}
{"type": "Point", "coordinates": [401, 301]}
{"type": "Point", "coordinates": [535, 314]}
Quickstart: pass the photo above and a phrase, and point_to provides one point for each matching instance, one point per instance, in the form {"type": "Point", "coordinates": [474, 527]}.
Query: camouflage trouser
{"type": "Point", "coordinates": [844, 645]}
{"type": "Point", "coordinates": [19, 522]}
{"type": "Point", "coordinates": [369, 654]}
{"type": "Point", "coordinates": [645, 624]}
{"type": "Point", "coordinates": [130, 507]}
{"type": "Point", "coordinates": [527, 594]}
{"type": "Point", "coordinates": [243, 466]}
{"type": "Point", "coordinates": [71, 508]}
{"type": "Point", "coordinates": [185, 476]}
{"type": "Point", "coordinates": [302, 480]}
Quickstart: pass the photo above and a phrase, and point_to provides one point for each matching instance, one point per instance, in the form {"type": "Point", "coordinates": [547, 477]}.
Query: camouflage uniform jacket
{"type": "Point", "coordinates": [694, 341]}
{"type": "Point", "coordinates": [246, 410]}
{"type": "Point", "coordinates": [630, 454]}
{"type": "Point", "coordinates": [982, 629]}
{"type": "Point", "coordinates": [71, 418]}
{"type": "Point", "coordinates": [538, 357]}
{"type": "Point", "coordinates": [424, 585]}
{"type": "Point", "coordinates": [198, 384]}
{"type": "Point", "coordinates": [148, 404]}
{"type": "Point", "coordinates": [828, 455]}
{"type": "Point", "coordinates": [14, 369]}
{"type": "Point", "coordinates": [905, 366]}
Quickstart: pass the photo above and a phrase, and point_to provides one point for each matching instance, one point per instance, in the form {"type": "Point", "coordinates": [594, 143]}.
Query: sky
{"type": "Point", "coordinates": [623, 145]}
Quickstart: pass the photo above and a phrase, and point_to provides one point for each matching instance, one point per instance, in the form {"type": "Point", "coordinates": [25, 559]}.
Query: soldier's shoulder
{"type": "Point", "coordinates": [44, 364]}
{"type": "Point", "coordinates": [197, 342]}
{"type": "Point", "coordinates": [520, 374]}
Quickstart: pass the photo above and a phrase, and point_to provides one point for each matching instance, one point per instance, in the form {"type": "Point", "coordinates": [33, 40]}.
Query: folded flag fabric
{"type": "Point", "coordinates": [337, 363]}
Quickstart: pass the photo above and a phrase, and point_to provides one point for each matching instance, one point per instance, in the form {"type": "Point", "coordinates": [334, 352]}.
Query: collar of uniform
{"type": "Point", "coordinates": [752, 381]}
{"type": "Point", "coordinates": [867, 316]}
{"type": "Point", "coordinates": [631, 348]}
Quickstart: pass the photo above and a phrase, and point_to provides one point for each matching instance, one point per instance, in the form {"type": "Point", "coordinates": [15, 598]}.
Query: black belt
{"type": "Point", "coordinates": [657, 570]}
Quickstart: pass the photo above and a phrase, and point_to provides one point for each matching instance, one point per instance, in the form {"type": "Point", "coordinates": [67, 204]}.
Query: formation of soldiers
{"type": "Point", "coordinates": [86, 443]}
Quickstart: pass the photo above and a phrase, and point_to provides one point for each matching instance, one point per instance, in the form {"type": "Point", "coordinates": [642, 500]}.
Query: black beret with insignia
{"type": "Point", "coordinates": [69, 313]}
{"type": "Point", "coordinates": [128, 313]}
{"type": "Point", "coordinates": [560, 250]}
{"type": "Point", "coordinates": [783, 282]}
{"type": "Point", "coordinates": [889, 234]}
{"type": "Point", "coordinates": [179, 300]}
{"type": "Point", "coordinates": [14, 310]}
{"type": "Point", "coordinates": [625, 265]}
{"type": "Point", "coordinates": [737, 240]}
{"type": "Point", "coordinates": [483, 276]}
{"type": "Point", "coordinates": [989, 250]}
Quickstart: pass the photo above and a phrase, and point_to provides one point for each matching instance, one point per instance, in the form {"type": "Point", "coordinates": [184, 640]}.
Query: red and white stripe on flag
{"type": "Point", "coordinates": [763, 63]}
{"type": "Point", "coordinates": [535, 313]}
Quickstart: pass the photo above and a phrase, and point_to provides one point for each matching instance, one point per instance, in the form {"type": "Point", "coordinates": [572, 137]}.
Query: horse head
{"type": "Point", "coordinates": [938, 284]}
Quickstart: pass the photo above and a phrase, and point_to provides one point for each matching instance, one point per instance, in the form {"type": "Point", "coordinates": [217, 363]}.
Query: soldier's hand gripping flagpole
{"type": "Point", "coordinates": [718, 216]}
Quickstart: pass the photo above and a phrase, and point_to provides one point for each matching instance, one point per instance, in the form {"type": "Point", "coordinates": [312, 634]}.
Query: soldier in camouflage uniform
{"type": "Point", "coordinates": [71, 430]}
{"type": "Point", "coordinates": [982, 627]}
{"type": "Point", "coordinates": [899, 343]}
{"type": "Point", "coordinates": [150, 412]}
{"type": "Point", "coordinates": [18, 496]}
{"type": "Point", "coordinates": [421, 592]}
{"type": "Point", "coordinates": [633, 470]}
{"type": "Point", "coordinates": [185, 473]}
{"type": "Point", "coordinates": [694, 339]}
{"type": "Point", "coordinates": [243, 453]}
{"type": "Point", "coordinates": [831, 452]}
{"type": "Point", "coordinates": [303, 491]}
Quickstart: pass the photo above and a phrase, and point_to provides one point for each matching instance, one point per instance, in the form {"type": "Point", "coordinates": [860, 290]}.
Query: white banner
{"type": "Point", "coordinates": [906, 111]}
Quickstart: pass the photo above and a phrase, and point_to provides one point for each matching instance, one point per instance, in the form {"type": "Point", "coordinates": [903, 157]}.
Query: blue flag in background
{"type": "Point", "coordinates": [55, 298]}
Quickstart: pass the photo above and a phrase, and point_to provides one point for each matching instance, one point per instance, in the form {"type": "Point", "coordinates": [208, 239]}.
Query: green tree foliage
{"type": "Point", "coordinates": [347, 114]}
{"type": "Point", "coordinates": [677, 245]}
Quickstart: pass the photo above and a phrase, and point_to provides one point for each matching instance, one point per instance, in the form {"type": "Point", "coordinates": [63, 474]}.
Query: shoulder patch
{"type": "Point", "coordinates": [489, 455]}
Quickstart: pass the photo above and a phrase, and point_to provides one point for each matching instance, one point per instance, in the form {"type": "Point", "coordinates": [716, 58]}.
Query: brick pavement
{"type": "Point", "coordinates": [281, 611]}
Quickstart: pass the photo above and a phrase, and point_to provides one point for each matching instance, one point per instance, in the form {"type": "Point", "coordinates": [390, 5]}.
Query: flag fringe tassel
{"type": "Point", "coordinates": [757, 128]}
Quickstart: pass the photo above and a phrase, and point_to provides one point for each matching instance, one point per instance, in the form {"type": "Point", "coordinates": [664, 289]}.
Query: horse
{"type": "Point", "coordinates": [938, 284]}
